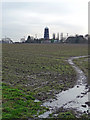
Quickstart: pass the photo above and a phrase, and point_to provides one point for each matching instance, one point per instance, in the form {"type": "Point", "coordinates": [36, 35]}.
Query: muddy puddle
{"type": "Point", "coordinates": [74, 98]}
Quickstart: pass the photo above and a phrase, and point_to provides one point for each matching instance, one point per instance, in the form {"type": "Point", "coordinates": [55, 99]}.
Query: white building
{"type": "Point", "coordinates": [6, 40]}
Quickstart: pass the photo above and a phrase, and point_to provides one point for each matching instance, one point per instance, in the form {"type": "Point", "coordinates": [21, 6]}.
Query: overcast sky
{"type": "Point", "coordinates": [30, 17]}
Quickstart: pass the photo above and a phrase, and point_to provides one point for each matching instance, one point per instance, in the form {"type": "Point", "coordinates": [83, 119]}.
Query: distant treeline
{"type": "Point", "coordinates": [77, 39]}
{"type": "Point", "coordinates": [71, 39]}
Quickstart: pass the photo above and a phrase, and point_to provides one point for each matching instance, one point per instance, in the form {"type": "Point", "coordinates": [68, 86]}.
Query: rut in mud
{"type": "Point", "coordinates": [74, 98]}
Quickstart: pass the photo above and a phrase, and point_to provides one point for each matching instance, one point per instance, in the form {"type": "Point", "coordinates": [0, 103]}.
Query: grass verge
{"type": "Point", "coordinates": [17, 104]}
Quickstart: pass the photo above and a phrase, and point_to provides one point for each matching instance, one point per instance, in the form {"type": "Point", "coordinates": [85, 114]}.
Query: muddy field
{"type": "Point", "coordinates": [40, 70]}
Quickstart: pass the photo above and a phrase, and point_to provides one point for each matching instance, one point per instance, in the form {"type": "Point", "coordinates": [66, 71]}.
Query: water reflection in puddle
{"type": "Point", "coordinates": [74, 98]}
{"type": "Point", "coordinates": [71, 98]}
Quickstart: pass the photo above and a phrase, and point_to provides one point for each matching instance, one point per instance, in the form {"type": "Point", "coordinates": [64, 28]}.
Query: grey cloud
{"type": "Point", "coordinates": [18, 21]}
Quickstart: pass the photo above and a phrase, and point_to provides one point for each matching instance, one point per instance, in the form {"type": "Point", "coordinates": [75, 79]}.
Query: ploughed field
{"type": "Point", "coordinates": [83, 64]}
{"type": "Point", "coordinates": [37, 71]}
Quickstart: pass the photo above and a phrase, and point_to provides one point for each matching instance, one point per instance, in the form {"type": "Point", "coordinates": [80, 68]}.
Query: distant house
{"type": "Point", "coordinates": [76, 39]}
{"type": "Point", "coordinates": [22, 40]}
